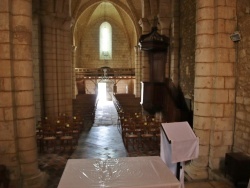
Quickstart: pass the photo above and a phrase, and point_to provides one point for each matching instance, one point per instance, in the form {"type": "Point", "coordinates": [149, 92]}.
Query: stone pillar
{"type": "Point", "coordinates": [165, 25]}
{"type": "Point", "coordinates": [214, 93]}
{"type": "Point", "coordinates": [18, 150]}
{"type": "Point", "coordinates": [144, 23]}
{"type": "Point", "coordinates": [57, 65]}
{"type": "Point", "coordinates": [145, 8]}
{"type": "Point", "coordinates": [74, 86]}
{"type": "Point", "coordinates": [175, 43]}
{"type": "Point", "coordinates": [154, 7]}
{"type": "Point", "coordinates": [36, 54]}
{"type": "Point", "coordinates": [137, 85]}
{"type": "Point", "coordinates": [164, 18]}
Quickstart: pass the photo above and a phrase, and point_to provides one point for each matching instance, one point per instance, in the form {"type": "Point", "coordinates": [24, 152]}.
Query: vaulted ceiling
{"type": "Point", "coordinates": [123, 13]}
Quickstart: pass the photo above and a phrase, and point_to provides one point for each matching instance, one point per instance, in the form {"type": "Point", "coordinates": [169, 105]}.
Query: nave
{"type": "Point", "coordinates": [99, 139]}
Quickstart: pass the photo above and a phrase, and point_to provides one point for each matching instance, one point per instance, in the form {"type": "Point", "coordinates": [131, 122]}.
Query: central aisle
{"type": "Point", "coordinates": [105, 113]}
{"type": "Point", "coordinates": [101, 140]}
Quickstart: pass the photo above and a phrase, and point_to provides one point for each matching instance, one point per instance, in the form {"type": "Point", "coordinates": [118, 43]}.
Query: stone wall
{"type": "Point", "coordinates": [242, 127]}
{"type": "Point", "coordinates": [187, 47]}
{"type": "Point", "coordinates": [88, 51]}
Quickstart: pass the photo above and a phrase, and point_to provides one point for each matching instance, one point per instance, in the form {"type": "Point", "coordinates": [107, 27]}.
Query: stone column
{"type": "Point", "coordinates": [164, 18]}
{"type": "Point", "coordinates": [74, 86]}
{"type": "Point", "coordinates": [214, 93]}
{"type": "Point", "coordinates": [175, 43]}
{"type": "Point", "coordinates": [57, 65]}
{"type": "Point", "coordinates": [18, 150]}
{"type": "Point", "coordinates": [144, 23]}
{"type": "Point", "coordinates": [145, 8]}
{"type": "Point", "coordinates": [36, 59]}
{"type": "Point", "coordinates": [137, 85]}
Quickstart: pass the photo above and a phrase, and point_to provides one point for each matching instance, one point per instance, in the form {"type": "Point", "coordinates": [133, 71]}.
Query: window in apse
{"type": "Point", "coordinates": [105, 41]}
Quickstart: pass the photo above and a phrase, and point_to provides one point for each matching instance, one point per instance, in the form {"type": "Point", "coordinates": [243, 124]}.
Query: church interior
{"type": "Point", "coordinates": [87, 69]}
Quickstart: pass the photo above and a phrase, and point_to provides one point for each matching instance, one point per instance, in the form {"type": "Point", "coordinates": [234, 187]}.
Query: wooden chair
{"type": "Point", "coordinates": [58, 124]}
{"type": "Point", "coordinates": [76, 130]}
{"type": "Point", "coordinates": [146, 136]}
{"type": "Point", "coordinates": [139, 129]}
{"type": "Point", "coordinates": [67, 138]}
{"type": "Point", "coordinates": [131, 137]}
{"type": "Point", "coordinates": [120, 114]}
{"type": "Point", "coordinates": [78, 123]}
{"type": "Point", "coordinates": [156, 131]}
{"type": "Point", "coordinates": [137, 117]}
{"type": "Point", "coordinates": [124, 127]}
{"type": "Point", "coordinates": [48, 137]}
{"type": "Point", "coordinates": [39, 135]}
{"type": "Point", "coordinates": [45, 120]}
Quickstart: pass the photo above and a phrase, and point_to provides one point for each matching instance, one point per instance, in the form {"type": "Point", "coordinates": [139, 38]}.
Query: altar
{"type": "Point", "coordinates": [126, 172]}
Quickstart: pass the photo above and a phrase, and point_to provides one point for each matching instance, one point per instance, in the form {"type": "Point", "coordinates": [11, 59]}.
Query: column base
{"type": "Point", "coordinates": [196, 173]}
{"type": "Point", "coordinates": [38, 181]}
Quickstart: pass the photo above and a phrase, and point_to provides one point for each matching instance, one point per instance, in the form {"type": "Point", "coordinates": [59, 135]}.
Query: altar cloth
{"type": "Point", "coordinates": [127, 172]}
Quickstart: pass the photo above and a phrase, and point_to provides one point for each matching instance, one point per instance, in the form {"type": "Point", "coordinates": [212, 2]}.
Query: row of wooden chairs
{"type": "Point", "coordinates": [127, 103]}
{"type": "Point", "coordinates": [140, 133]}
{"type": "Point", "coordinates": [85, 106]}
{"type": "Point", "coordinates": [61, 131]}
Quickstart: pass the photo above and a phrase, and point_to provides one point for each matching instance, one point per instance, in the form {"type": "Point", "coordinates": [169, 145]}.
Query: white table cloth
{"type": "Point", "coordinates": [147, 172]}
{"type": "Point", "coordinates": [178, 144]}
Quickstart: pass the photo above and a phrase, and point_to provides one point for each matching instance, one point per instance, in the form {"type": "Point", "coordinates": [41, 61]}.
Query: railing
{"type": "Point", "coordinates": [109, 72]}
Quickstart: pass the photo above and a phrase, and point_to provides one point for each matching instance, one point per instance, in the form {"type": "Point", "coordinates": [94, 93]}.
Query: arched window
{"type": "Point", "coordinates": [105, 41]}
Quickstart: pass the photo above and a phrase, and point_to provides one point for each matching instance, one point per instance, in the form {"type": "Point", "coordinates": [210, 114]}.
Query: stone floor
{"type": "Point", "coordinates": [102, 140]}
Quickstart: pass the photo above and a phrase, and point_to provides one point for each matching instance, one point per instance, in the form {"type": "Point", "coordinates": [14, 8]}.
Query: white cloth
{"type": "Point", "coordinates": [178, 144]}
{"type": "Point", "coordinates": [165, 154]}
{"type": "Point", "coordinates": [184, 143]}
{"type": "Point", "coordinates": [133, 172]}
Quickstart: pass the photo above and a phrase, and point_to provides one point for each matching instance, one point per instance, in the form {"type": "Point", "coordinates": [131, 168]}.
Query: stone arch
{"type": "Point", "coordinates": [76, 14]}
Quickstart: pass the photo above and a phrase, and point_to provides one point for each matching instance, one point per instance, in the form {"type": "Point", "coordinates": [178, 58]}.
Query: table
{"type": "Point", "coordinates": [147, 172]}
{"type": "Point", "coordinates": [178, 144]}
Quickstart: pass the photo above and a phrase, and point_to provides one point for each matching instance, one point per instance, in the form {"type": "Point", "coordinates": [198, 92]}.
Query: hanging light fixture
{"type": "Point", "coordinates": [106, 77]}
